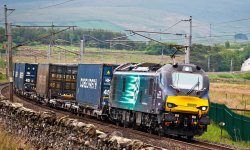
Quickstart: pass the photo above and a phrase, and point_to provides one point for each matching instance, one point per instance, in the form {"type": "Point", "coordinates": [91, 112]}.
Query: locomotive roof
{"type": "Point", "coordinates": [139, 67]}
{"type": "Point", "coordinates": [154, 68]}
{"type": "Point", "coordinates": [191, 68]}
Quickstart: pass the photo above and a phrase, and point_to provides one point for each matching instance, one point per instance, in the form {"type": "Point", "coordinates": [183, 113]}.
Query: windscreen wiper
{"type": "Point", "coordinates": [192, 89]}
{"type": "Point", "coordinates": [177, 89]}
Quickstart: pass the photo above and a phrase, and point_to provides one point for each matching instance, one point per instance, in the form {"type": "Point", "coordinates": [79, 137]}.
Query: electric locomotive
{"type": "Point", "coordinates": [169, 99]}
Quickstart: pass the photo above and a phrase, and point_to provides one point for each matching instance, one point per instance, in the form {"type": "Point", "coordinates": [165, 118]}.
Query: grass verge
{"type": "Point", "coordinates": [241, 75]}
{"type": "Point", "coordinates": [2, 77]}
{"type": "Point", "coordinates": [213, 134]}
{"type": "Point", "coordinates": [9, 142]}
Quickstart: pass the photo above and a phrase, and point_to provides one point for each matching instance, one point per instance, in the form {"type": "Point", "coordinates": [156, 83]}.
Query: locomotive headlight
{"type": "Point", "coordinates": [203, 108]}
{"type": "Point", "coordinates": [171, 105]}
{"type": "Point", "coordinates": [187, 69]}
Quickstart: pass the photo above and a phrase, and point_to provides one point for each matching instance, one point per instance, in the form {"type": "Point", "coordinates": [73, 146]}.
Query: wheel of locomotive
{"type": "Point", "coordinates": [125, 122]}
{"type": "Point", "coordinates": [81, 114]}
{"type": "Point", "coordinates": [117, 123]}
{"type": "Point", "coordinates": [132, 121]}
{"type": "Point", "coordinates": [190, 137]}
{"type": "Point", "coordinates": [160, 130]}
{"type": "Point", "coordinates": [97, 116]}
{"type": "Point", "coordinates": [179, 137]}
{"type": "Point", "coordinates": [103, 117]}
{"type": "Point", "coordinates": [134, 126]}
{"type": "Point", "coordinates": [150, 130]}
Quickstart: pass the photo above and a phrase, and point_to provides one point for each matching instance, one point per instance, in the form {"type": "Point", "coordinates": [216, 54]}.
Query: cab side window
{"type": "Point", "coordinates": [150, 89]}
{"type": "Point", "coordinates": [123, 84]}
{"type": "Point", "coordinates": [161, 79]}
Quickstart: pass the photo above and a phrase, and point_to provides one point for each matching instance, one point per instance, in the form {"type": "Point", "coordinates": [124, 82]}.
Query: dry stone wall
{"type": "Point", "coordinates": [44, 130]}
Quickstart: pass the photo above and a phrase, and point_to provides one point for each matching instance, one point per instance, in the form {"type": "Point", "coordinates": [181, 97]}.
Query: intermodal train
{"type": "Point", "coordinates": [164, 99]}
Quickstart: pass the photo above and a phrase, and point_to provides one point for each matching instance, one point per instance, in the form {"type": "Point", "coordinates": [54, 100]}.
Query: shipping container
{"type": "Point", "coordinates": [93, 84]}
{"type": "Point", "coordinates": [25, 76]}
{"type": "Point", "coordinates": [42, 80]}
{"type": "Point", "coordinates": [57, 81]}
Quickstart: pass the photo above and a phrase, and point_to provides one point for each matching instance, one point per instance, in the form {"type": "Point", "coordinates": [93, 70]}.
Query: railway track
{"type": "Point", "coordinates": [2, 86]}
{"type": "Point", "coordinates": [164, 142]}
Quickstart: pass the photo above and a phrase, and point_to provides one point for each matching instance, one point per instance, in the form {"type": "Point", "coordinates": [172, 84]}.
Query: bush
{"type": "Point", "coordinates": [2, 63]}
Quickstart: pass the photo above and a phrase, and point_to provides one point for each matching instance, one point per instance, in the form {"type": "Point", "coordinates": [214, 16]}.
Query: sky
{"type": "Point", "coordinates": [225, 16]}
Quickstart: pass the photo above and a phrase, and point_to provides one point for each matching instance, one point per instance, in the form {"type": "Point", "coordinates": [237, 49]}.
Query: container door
{"type": "Point", "coordinates": [106, 83]}
{"type": "Point", "coordinates": [21, 77]}
{"type": "Point", "coordinates": [30, 77]}
{"type": "Point", "coordinates": [69, 82]}
{"type": "Point", "coordinates": [89, 80]}
{"type": "Point", "coordinates": [55, 81]}
{"type": "Point", "coordinates": [16, 76]}
{"type": "Point", "coordinates": [42, 80]}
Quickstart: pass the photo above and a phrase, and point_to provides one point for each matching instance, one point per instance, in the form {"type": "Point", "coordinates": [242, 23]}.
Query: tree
{"type": "Point", "coordinates": [227, 44]}
{"type": "Point", "coordinates": [154, 48]}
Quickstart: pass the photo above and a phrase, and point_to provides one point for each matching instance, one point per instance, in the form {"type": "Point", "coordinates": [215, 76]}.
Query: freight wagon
{"type": "Point", "coordinates": [93, 87]}
{"type": "Point", "coordinates": [25, 77]}
{"type": "Point", "coordinates": [56, 81]}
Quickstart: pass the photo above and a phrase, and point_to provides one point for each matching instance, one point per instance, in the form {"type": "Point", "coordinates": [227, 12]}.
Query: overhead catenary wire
{"type": "Point", "coordinates": [236, 20]}
{"type": "Point", "coordinates": [170, 45]}
{"type": "Point", "coordinates": [66, 50]}
{"type": "Point", "coordinates": [222, 23]}
{"type": "Point", "coordinates": [62, 41]}
{"type": "Point", "coordinates": [206, 37]}
{"type": "Point", "coordinates": [54, 5]}
{"type": "Point", "coordinates": [100, 41]}
{"type": "Point", "coordinates": [154, 32]}
{"type": "Point", "coordinates": [190, 20]}
{"type": "Point", "coordinates": [39, 38]}
{"type": "Point", "coordinates": [50, 26]}
{"type": "Point", "coordinates": [125, 36]}
{"type": "Point", "coordinates": [174, 46]}
{"type": "Point", "coordinates": [2, 19]}
{"type": "Point", "coordinates": [172, 26]}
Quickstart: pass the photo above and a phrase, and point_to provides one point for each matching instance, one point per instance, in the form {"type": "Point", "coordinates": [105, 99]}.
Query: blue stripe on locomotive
{"type": "Point", "coordinates": [133, 92]}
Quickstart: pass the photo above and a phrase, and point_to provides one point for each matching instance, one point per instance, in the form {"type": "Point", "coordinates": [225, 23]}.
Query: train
{"type": "Point", "coordinates": [170, 99]}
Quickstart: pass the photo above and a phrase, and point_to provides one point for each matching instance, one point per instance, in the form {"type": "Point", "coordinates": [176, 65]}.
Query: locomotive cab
{"type": "Point", "coordinates": [186, 99]}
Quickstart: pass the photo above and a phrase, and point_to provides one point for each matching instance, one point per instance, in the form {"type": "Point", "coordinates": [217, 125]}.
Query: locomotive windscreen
{"type": "Point", "coordinates": [187, 81]}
